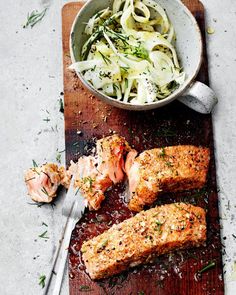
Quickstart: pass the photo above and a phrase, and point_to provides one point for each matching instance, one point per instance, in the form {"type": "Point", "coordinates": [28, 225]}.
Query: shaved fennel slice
{"type": "Point", "coordinates": [108, 89]}
{"type": "Point", "coordinates": [95, 19]}
{"type": "Point", "coordinates": [143, 9]}
{"type": "Point", "coordinates": [160, 41]}
{"type": "Point", "coordinates": [154, 5]}
{"type": "Point", "coordinates": [127, 22]}
{"type": "Point", "coordinates": [82, 66]}
{"type": "Point", "coordinates": [117, 5]}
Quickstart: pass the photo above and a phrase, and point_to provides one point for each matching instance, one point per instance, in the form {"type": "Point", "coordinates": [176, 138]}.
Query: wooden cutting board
{"type": "Point", "coordinates": [87, 118]}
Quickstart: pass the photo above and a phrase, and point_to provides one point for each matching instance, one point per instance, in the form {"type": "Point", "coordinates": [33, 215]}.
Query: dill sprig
{"type": "Point", "coordinates": [34, 164]}
{"type": "Point", "coordinates": [165, 132]}
{"type": "Point", "coordinates": [29, 179]}
{"type": "Point", "coordinates": [58, 158]}
{"type": "Point", "coordinates": [208, 266]}
{"type": "Point", "coordinates": [45, 191]}
{"type": "Point", "coordinates": [106, 59]}
{"type": "Point", "coordinates": [42, 279]}
{"type": "Point", "coordinates": [61, 104]}
{"type": "Point", "coordinates": [34, 17]}
{"type": "Point", "coordinates": [43, 235]}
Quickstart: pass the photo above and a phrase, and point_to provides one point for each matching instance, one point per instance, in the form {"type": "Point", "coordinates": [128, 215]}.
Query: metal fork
{"type": "Point", "coordinates": [73, 209]}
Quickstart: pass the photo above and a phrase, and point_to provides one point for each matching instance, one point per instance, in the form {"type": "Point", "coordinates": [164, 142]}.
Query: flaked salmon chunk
{"type": "Point", "coordinates": [139, 239]}
{"type": "Point", "coordinates": [95, 174]}
{"type": "Point", "coordinates": [169, 169]}
{"type": "Point", "coordinates": [43, 181]}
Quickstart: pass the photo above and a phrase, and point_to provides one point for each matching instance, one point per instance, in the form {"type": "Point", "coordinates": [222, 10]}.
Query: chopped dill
{"type": "Point", "coordinates": [42, 279]}
{"type": "Point", "coordinates": [106, 59]}
{"type": "Point", "coordinates": [43, 235]}
{"type": "Point", "coordinates": [34, 17]}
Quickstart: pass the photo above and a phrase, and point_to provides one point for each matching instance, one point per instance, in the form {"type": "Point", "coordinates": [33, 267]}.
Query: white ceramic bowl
{"type": "Point", "coordinates": [189, 48]}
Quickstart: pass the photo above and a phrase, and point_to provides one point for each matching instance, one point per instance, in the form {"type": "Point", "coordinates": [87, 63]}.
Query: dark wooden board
{"type": "Point", "coordinates": [87, 118]}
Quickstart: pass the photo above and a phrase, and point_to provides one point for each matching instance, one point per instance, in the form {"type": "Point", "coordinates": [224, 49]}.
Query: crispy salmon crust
{"type": "Point", "coordinates": [139, 239]}
{"type": "Point", "coordinates": [169, 169]}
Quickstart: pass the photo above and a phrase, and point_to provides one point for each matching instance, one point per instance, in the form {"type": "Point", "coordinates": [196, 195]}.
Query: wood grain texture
{"type": "Point", "coordinates": [87, 118]}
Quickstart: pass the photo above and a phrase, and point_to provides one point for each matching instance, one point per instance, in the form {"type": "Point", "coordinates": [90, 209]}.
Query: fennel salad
{"type": "Point", "coordinates": [129, 54]}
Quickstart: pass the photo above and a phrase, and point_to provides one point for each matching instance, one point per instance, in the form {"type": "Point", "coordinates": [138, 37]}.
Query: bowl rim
{"type": "Point", "coordinates": [177, 93]}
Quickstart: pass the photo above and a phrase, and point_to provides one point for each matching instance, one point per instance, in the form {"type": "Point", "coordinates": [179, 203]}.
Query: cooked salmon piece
{"type": "Point", "coordinates": [42, 182]}
{"type": "Point", "coordinates": [139, 239]}
{"type": "Point", "coordinates": [169, 169]}
{"type": "Point", "coordinates": [95, 174]}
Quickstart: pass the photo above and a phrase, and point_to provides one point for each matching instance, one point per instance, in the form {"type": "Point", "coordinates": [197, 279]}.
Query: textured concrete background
{"type": "Point", "coordinates": [31, 82]}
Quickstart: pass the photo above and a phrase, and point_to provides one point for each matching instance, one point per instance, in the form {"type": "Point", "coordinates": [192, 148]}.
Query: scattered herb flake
{"type": "Point", "coordinates": [43, 235]}
{"type": "Point", "coordinates": [34, 17]}
{"type": "Point", "coordinates": [45, 224]}
{"type": "Point", "coordinates": [46, 120]}
{"type": "Point", "coordinates": [42, 279]}
{"type": "Point", "coordinates": [39, 205]}
{"type": "Point", "coordinates": [85, 288]}
{"type": "Point", "coordinates": [61, 106]}
{"type": "Point", "coordinates": [165, 132]}
{"type": "Point", "coordinates": [234, 236]}
{"type": "Point", "coordinates": [208, 266]}
{"type": "Point", "coordinates": [34, 164]}
{"type": "Point", "coordinates": [169, 164]}
{"type": "Point", "coordinates": [163, 152]}
{"type": "Point", "coordinates": [58, 158]}
{"type": "Point", "coordinates": [106, 59]}
{"type": "Point", "coordinates": [89, 180]}
{"type": "Point", "coordinates": [29, 179]}
{"type": "Point", "coordinates": [45, 191]}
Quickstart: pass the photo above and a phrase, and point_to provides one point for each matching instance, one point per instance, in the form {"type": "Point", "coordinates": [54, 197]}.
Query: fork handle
{"type": "Point", "coordinates": [64, 251]}
{"type": "Point", "coordinates": [60, 256]}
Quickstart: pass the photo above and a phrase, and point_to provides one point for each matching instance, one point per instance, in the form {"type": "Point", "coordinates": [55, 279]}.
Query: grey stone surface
{"type": "Point", "coordinates": [31, 82]}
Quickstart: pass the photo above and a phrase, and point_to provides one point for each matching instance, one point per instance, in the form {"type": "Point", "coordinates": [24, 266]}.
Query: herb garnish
{"type": "Point", "coordinates": [159, 224]}
{"type": "Point", "coordinates": [106, 59]}
{"type": "Point", "coordinates": [46, 120]}
{"type": "Point", "coordinates": [45, 224]}
{"type": "Point", "coordinates": [102, 246]}
{"type": "Point", "coordinates": [165, 132]}
{"type": "Point", "coordinates": [208, 266]}
{"type": "Point", "coordinates": [34, 17]}
{"type": "Point", "coordinates": [125, 69]}
{"type": "Point", "coordinates": [85, 288]}
{"type": "Point", "coordinates": [141, 293]}
{"type": "Point", "coordinates": [42, 279]}
{"type": "Point", "coordinates": [89, 180]}
{"type": "Point", "coordinates": [43, 235]}
{"type": "Point", "coordinates": [163, 152]}
{"type": "Point", "coordinates": [34, 164]}
{"type": "Point", "coordinates": [169, 164]}
{"type": "Point", "coordinates": [29, 179]}
{"type": "Point", "coordinates": [61, 104]}
{"type": "Point", "coordinates": [45, 191]}
{"type": "Point", "coordinates": [58, 158]}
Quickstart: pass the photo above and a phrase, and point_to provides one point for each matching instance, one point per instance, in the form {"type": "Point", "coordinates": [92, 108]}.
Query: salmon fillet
{"type": "Point", "coordinates": [95, 174]}
{"type": "Point", "coordinates": [169, 169]}
{"type": "Point", "coordinates": [139, 239]}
